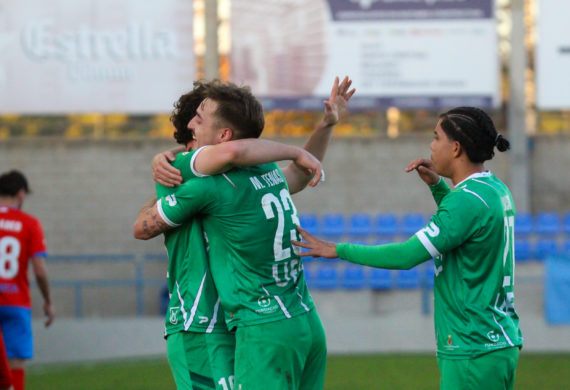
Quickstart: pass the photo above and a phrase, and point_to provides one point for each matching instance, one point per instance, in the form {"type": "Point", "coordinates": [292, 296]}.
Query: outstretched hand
{"type": "Point", "coordinates": [310, 165]}
{"type": "Point", "coordinates": [318, 247]}
{"type": "Point", "coordinates": [425, 170]}
{"type": "Point", "coordinates": [335, 106]}
{"type": "Point", "coordinates": [163, 172]}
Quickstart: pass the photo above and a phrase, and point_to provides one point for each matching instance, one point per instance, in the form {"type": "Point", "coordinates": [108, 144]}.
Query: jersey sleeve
{"type": "Point", "coordinates": [455, 221]}
{"type": "Point", "coordinates": [185, 163]}
{"type": "Point", "coordinates": [400, 255]}
{"type": "Point", "coordinates": [188, 199]}
{"type": "Point", "coordinates": [38, 246]}
{"type": "Point", "coordinates": [439, 191]}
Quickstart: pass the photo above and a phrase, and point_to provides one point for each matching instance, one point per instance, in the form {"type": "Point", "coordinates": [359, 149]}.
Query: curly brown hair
{"type": "Point", "coordinates": [185, 109]}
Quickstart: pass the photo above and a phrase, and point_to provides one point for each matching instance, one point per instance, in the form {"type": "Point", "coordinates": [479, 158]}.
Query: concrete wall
{"type": "Point", "coordinates": [355, 322]}
{"type": "Point", "coordinates": [88, 192]}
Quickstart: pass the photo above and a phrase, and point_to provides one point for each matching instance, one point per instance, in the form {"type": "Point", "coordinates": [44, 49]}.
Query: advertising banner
{"type": "Point", "coordinates": [553, 55]}
{"type": "Point", "coordinates": [66, 56]}
{"type": "Point", "coordinates": [403, 53]}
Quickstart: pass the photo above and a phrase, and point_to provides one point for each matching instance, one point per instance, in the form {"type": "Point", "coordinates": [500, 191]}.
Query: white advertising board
{"type": "Point", "coordinates": [405, 53]}
{"type": "Point", "coordinates": [66, 56]}
{"type": "Point", "coordinates": [553, 55]}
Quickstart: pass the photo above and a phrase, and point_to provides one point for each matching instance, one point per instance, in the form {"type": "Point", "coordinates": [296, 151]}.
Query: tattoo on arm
{"type": "Point", "coordinates": [153, 225]}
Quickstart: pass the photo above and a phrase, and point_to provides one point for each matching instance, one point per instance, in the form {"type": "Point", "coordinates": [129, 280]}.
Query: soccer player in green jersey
{"type": "Point", "coordinates": [186, 345]}
{"type": "Point", "coordinates": [471, 239]}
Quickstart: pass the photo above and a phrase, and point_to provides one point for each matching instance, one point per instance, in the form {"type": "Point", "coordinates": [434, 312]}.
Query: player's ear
{"type": "Point", "coordinates": [225, 134]}
{"type": "Point", "coordinates": [457, 149]}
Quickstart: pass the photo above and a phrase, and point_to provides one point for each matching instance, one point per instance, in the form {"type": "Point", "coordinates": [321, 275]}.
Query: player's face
{"type": "Point", "coordinates": [442, 151]}
{"type": "Point", "coordinates": [204, 126]}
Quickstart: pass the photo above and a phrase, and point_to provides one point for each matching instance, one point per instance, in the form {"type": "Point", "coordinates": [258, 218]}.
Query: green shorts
{"type": "Point", "coordinates": [282, 355]}
{"type": "Point", "coordinates": [492, 371]}
{"type": "Point", "coordinates": [201, 361]}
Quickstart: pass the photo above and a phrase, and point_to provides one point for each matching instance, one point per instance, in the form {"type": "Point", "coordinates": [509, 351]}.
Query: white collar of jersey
{"type": "Point", "coordinates": [475, 175]}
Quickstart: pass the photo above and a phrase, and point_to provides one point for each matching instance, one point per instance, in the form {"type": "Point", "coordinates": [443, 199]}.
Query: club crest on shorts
{"type": "Point", "coordinates": [173, 315]}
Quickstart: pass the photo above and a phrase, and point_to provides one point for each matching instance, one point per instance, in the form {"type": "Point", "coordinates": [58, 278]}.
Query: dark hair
{"type": "Point", "coordinates": [185, 109]}
{"type": "Point", "coordinates": [237, 109]}
{"type": "Point", "coordinates": [475, 131]}
{"type": "Point", "coordinates": [12, 182]}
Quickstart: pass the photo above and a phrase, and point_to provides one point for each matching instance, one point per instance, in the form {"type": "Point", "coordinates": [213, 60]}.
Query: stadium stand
{"type": "Point", "coordinates": [386, 225]}
{"type": "Point", "coordinates": [325, 278]}
{"type": "Point", "coordinates": [567, 223]}
{"type": "Point", "coordinates": [310, 223]}
{"type": "Point", "coordinates": [412, 222]}
{"type": "Point", "coordinates": [546, 247]}
{"type": "Point", "coordinates": [380, 279]}
{"type": "Point", "coordinates": [333, 225]}
{"type": "Point", "coordinates": [408, 279]}
{"type": "Point", "coordinates": [548, 223]}
{"type": "Point", "coordinates": [523, 224]}
{"type": "Point", "coordinates": [353, 277]}
{"type": "Point", "coordinates": [360, 225]}
{"type": "Point", "coordinates": [523, 249]}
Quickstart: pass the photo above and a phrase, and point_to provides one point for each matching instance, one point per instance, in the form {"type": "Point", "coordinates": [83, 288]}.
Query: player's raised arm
{"type": "Point", "coordinates": [335, 109]}
{"type": "Point", "coordinates": [219, 158]}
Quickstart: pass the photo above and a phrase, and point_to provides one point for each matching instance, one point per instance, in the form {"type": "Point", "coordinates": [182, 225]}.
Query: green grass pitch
{"type": "Point", "coordinates": [351, 372]}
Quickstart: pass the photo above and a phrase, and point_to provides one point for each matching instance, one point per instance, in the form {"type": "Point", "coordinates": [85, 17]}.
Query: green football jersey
{"type": "Point", "coordinates": [249, 219]}
{"type": "Point", "coordinates": [471, 238]}
{"type": "Point", "coordinates": [194, 304]}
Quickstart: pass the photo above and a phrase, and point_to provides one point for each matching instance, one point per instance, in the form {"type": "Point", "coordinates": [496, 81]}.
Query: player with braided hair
{"type": "Point", "coordinates": [470, 237]}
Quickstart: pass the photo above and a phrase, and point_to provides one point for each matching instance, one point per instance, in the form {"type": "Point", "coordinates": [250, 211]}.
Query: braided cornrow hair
{"type": "Point", "coordinates": [475, 131]}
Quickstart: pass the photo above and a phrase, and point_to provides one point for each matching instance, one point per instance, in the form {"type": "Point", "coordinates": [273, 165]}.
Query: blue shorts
{"type": "Point", "coordinates": [16, 323]}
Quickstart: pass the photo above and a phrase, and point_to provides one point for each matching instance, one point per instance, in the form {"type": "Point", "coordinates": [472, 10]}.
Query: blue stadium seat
{"type": "Point", "coordinates": [428, 274]}
{"type": "Point", "coordinates": [333, 225]}
{"type": "Point", "coordinates": [325, 278]}
{"type": "Point", "coordinates": [386, 225]}
{"type": "Point", "coordinates": [380, 279]}
{"type": "Point", "coordinates": [306, 259]}
{"type": "Point", "coordinates": [309, 276]}
{"type": "Point", "coordinates": [523, 224]}
{"type": "Point", "coordinates": [412, 222]}
{"type": "Point", "coordinates": [360, 225]}
{"type": "Point", "coordinates": [546, 247]}
{"type": "Point", "coordinates": [408, 278]}
{"type": "Point", "coordinates": [567, 223]}
{"type": "Point", "coordinates": [310, 223]}
{"type": "Point", "coordinates": [548, 223]}
{"type": "Point", "coordinates": [164, 299]}
{"type": "Point", "coordinates": [566, 247]}
{"type": "Point", "coordinates": [523, 249]}
{"type": "Point", "coordinates": [353, 277]}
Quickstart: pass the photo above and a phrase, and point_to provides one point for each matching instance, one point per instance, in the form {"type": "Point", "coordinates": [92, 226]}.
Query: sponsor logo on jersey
{"type": "Point", "coordinates": [173, 315]}
{"type": "Point", "coordinates": [264, 301]}
{"type": "Point", "coordinates": [203, 319]}
{"type": "Point", "coordinates": [266, 305]}
{"type": "Point", "coordinates": [494, 337]}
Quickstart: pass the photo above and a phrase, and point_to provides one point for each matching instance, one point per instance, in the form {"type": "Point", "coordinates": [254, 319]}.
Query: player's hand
{"type": "Point", "coordinates": [163, 172]}
{"type": "Point", "coordinates": [335, 106]}
{"type": "Point", "coordinates": [50, 314]}
{"type": "Point", "coordinates": [318, 248]}
{"type": "Point", "coordinates": [311, 166]}
{"type": "Point", "coordinates": [425, 170]}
